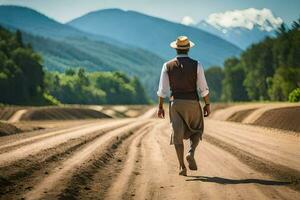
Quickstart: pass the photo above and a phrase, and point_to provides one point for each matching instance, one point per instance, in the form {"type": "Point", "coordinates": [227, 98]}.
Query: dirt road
{"type": "Point", "coordinates": [132, 159]}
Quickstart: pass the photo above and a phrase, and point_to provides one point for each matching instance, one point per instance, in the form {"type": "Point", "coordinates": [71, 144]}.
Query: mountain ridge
{"type": "Point", "coordinates": [239, 36]}
{"type": "Point", "coordinates": [241, 27]}
{"type": "Point", "coordinates": [36, 23]}
{"type": "Point", "coordinates": [154, 34]}
{"type": "Point", "coordinates": [18, 16]}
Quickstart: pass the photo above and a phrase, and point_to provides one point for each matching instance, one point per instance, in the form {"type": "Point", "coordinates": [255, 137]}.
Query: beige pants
{"type": "Point", "coordinates": [186, 121]}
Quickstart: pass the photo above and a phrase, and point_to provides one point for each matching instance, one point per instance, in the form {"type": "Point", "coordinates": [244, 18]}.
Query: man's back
{"type": "Point", "coordinates": [182, 72]}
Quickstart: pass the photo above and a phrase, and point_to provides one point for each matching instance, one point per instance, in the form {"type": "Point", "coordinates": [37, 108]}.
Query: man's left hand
{"type": "Point", "coordinates": [206, 110]}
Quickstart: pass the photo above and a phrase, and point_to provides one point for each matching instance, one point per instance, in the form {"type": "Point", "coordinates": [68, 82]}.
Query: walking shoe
{"type": "Point", "coordinates": [182, 172]}
{"type": "Point", "coordinates": [191, 160]}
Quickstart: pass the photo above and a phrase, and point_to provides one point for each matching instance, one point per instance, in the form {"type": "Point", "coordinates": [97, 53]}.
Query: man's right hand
{"type": "Point", "coordinates": [161, 113]}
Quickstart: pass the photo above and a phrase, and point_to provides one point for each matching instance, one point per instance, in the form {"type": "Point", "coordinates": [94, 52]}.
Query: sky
{"type": "Point", "coordinates": [173, 10]}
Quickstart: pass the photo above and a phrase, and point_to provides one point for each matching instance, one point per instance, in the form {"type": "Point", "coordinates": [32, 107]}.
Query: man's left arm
{"type": "Point", "coordinates": [204, 90]}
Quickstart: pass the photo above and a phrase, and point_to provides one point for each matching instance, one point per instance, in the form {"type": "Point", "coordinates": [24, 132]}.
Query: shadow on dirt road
{"type": "Point", "coordinates": [225, 181]}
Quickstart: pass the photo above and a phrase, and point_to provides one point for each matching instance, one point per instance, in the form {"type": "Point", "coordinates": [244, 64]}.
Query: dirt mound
{"type": "Point", "coordinates": [239, 116]}
{"type": "Point", "coordinates": [218, 106]}
{"type": "Point", "coordinates": [8, 129]}
{"type": "Point", "coordinates": [7, 112]}
{"type": "Point", "coordinates": [282, 118]}
{"type": "Point", "coordinates": [62, 114]}
{"type": "Point", "coordinates": [124, 111]}
{"type": "Point", "coordinates": [235, 111]}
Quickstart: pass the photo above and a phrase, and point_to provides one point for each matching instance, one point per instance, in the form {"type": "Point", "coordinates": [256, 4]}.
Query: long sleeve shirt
{"type": "Point", "coordinates": [164, 83]}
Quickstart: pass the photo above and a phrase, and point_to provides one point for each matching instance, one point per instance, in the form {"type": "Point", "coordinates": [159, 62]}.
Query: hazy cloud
{"type": "Point", "coordinates": [247, 18]}
{"type": "Point", "coordinates": [187, 20]}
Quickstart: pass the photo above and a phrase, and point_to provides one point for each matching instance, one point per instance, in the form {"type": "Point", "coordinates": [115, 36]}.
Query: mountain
{"type": "Point", "coordinates": [154, 34]}
{"type": "Point", "coordinates": [93, 55]}
{"type": "Point", "coordinates": [241, 27]}
{"type": "Point", "coordinates": [62, 47]}
{"type": "Point", "coordinates": [36, 23]}
{"type": "Point", "coordinates": [240, 36]}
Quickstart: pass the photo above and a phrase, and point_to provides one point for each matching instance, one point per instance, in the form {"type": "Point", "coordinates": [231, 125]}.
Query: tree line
{"type": "Point", "coordinates": [24, 82]}
{"type": "Point", "coordinates": [266, 71]}
{"type": "Point", "coordinates": [81, 87]}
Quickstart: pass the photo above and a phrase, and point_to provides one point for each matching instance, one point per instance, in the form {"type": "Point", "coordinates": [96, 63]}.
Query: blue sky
{"type": "Point", "coordinates": [174, 10]}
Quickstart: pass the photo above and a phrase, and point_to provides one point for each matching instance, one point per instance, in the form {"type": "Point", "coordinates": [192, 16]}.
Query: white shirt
{"type": "Point", "coordinates": [164, 84]}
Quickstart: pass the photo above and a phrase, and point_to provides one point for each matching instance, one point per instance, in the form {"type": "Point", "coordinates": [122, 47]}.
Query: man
{"type": "Point", "coordinates": [185, 78]}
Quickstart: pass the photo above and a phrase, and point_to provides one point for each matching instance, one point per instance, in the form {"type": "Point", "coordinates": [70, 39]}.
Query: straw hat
{"type": "Point", "coordinates": [182, 42]}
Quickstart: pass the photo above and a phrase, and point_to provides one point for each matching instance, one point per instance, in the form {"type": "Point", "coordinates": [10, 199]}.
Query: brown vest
{"type": "Point", "coordinates": [182, 73]}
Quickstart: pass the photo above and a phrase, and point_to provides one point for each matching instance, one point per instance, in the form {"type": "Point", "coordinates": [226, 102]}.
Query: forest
{"type": "Point", "coordinates": [266, 71]}
{"type": "Point", "coordinates": [23, 80]}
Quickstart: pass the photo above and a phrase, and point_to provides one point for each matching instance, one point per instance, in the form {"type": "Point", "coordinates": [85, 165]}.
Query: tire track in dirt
{"type": "Point", "coordinates": [15, 144]}
{"type": "Point", "coordinates": [71, 165]}
{"type": "Point", "coordinates": [225, 177]}
{"type": "Point", "coordinates": [271, 153]}
{"type": "Point", "coordinates": [119, 187]}
{"type": "Point", "coordinates": [32, 149]}
{"type": "Point", "coordinates": [93, 181]}
{"type": "Point", "coordinates": [275, 147]}
{"type": "Point", "coordinates": [22, 175]}
{"type": "Point", "coordinates": [151, 169]}
{"type": "Point", "coordinates": [221, 175]}
{"type": "Point", "coordinates": [279, 171]}
{"type": "Point", "coordinates": [34, 128]}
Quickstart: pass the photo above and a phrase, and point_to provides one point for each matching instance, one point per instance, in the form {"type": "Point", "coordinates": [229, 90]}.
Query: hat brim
{"type": "Point", "coordinates": [174, 45]}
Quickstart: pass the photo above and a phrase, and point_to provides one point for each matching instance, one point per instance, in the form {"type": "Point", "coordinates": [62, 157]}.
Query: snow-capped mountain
{"type": "Point", "coordinates": [241, 27]}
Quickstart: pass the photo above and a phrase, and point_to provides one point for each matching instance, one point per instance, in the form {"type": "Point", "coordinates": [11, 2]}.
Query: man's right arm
{"type": "Point", "coordinates": [163, 90]}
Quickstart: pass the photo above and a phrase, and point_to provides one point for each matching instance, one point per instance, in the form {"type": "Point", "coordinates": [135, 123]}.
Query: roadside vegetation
{"type": "Point", "coordinates": [23, 81]}
{"type": "Point", "coordinates": [266, 71]}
